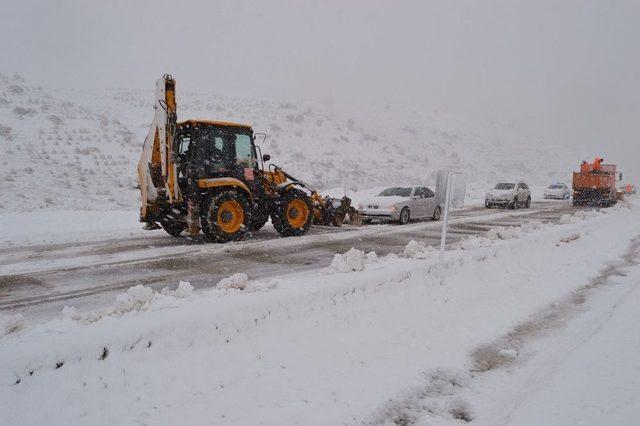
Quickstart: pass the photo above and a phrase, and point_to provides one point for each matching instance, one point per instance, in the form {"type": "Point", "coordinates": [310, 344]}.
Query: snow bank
{"type": "Point", "coordinates": [185, 289]}
{"type": "Point", "coordinates": [11, 323]}
{"type": "Point", "coordinates": [318, 351]}
{"type": "Point", "coordinates": [418, 250]}
{"type": "Point", "coordinates": [136, 298]}
{"type": "Point", "coordinates": [353, 260]}
{"type": "Point", "coordinates": [236, 282]}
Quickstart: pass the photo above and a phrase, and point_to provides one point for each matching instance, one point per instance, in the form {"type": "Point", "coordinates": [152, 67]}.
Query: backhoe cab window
{"type": "Point", "coordinates": [244, 150]}
{"type": "Point", "coordinates": [217, 150]}
{"type": "Point", "coordinates": [184, 139]}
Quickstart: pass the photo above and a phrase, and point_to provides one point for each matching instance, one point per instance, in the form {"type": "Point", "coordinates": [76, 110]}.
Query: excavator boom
{"type": "Point", "coordinates": [157, 171]}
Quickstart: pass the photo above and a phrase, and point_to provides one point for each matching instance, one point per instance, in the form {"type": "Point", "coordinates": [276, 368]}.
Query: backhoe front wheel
{"type": "Point", "coordinates": [293, 214]}
{"type": "Point", "coordinates": [227, 217]}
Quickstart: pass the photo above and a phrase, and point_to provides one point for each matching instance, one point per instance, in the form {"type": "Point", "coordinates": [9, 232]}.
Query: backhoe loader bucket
{"type": "Point", "coordinates": [335, 212]}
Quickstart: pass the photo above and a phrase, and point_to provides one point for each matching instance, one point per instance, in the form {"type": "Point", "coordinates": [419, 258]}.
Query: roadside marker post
{"type": "Point", "coordinates": [454, 193]}
{"type": "Point", "coordinates": [445, 222]}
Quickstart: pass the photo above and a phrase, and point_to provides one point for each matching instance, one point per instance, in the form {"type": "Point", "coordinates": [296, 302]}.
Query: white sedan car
{"type": "Point", "coordinates": [558, 191]}
{"type": "Point", "coordinates": [401, 204]}
{"type": "Point", "coordinates": [509, 194]}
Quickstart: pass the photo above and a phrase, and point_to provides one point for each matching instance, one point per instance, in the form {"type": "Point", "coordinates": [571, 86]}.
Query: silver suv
{"type": "Point", "coordinates": [509, 194]}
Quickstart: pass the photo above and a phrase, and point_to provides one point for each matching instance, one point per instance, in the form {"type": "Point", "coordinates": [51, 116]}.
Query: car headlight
{"type": "Point", "coordinates": [393, 208]}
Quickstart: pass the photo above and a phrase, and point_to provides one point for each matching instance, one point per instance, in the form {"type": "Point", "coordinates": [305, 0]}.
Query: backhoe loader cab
{"type": "Point", "coordinates": [206, 175]}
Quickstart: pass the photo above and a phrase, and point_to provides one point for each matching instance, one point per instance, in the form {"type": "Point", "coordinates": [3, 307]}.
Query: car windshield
{"type": "Point", "coordinates": [504, 186]}
{"type": "Point", "coordinates": [396, 192]}
{"type": "Point", "coordinates": [555, 186]}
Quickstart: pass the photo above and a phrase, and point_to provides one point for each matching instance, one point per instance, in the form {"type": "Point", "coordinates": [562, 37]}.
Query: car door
{"type": "Point", "coordinates": [429, 202]}
{"type": "Point", "coordinates": [420, 201]}
{"type": "Point", "coordinates": [520, 195]}
{"type": "Point", "coordinates": [414, 203]}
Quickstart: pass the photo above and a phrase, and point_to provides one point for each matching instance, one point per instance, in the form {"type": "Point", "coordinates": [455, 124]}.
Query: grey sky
{"type": "Point", "coordinates": [567, 70]}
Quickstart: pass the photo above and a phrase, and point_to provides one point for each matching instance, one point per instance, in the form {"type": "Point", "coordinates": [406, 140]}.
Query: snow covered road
{"type": "Point", "coordinates": [40, 279]}
{"type": "Point", "coordinates": [385, 344]}
{"type": "Point", "coordinates": [582, 369]}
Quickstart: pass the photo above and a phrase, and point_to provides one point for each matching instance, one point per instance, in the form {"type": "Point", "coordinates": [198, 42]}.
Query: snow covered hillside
{"type": "Point", "coordinates": [66, 149]}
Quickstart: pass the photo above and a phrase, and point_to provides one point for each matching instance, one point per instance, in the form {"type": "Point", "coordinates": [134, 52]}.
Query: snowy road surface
{"type": "Point", "coordinates": [583, 371]}
{"type": "Point", "coordinates": [40, 279]}
{"type": "Point", "coordinates": [521, 311]}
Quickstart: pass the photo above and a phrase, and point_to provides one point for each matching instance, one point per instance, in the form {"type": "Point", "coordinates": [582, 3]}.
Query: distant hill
{"type": "Point", "coordinates": [78, 150]}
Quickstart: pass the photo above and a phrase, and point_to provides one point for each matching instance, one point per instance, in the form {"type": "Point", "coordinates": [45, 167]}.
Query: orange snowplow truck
{"type": "Point", "coordinates": [595, 184]}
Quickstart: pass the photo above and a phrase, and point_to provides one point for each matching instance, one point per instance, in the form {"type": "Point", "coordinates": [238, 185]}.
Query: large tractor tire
{"type": "Point", "coordinates": [259, 218]}
{"type": "Point", "coordinates": [293, 214]}
{"type": "Point", "coordinates": [227, 217]}
{"type": "Point", "coordinates": [173, 227]}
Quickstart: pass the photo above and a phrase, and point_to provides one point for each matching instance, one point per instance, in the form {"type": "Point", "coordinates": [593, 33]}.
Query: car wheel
{"type": "Point", "coordinates": [437, 213]}
{"type": "Point", "coordinates": [404, 216]}
{"type": "Point", "coordinates": [513, 204]}
{"type": "Point", "coordinates": [527, 204]}
{"type": "Point", "coordinates": [487, 205]}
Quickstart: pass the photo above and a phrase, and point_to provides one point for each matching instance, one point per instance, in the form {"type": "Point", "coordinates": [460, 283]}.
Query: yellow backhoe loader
{"type": "Point", "coordinates": [207, 175]}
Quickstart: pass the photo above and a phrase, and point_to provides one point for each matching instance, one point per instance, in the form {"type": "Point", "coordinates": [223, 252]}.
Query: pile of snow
{"type": "Point", "coordinates": [501, 233]}
{"type": "Point", "coordinates": [418, 250]}
{"type": "Point", "coordinates": [11, 323]}
{"type": "Point", "coordinates": [353, 260]}
{"type": "Point", "coordinates": [237, 281]}
{"type": "Point", "coordinates": [241, 282]}
{"type": "Point", "coordinates": [136, 298]}
{"type": "Point", "coordinates": [184, 290]}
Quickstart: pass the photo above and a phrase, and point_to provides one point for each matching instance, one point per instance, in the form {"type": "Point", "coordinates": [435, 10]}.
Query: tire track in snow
{"type": "Point", "coordinates": [439, 394]}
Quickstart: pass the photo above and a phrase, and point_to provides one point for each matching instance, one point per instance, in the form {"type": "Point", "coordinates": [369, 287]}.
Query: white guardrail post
{"type": "Point", "coordinates": [445, 222]}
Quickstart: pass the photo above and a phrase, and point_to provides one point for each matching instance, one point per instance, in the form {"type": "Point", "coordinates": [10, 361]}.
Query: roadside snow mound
{"type": "Point", "coordinates": [136, 298]}
{"type": "Point", "coordinates": [10, 324]}
{"type": "Point", "coordinates": [581, 215]}
{"type": "Point", "coordinates": [241, 282]}
{"type": "Point", "coordinates": [418, 250]}
{"type": "Point", "coordinates": [474, 242]}
{"type": "Point", "coordinates": [237, 281]}
{"type": "Point", "coordinates": [351, 261]}
{"type": "Point", "coordinates": [501, 233]}
{"type": "Point", "coordinates": [511, 232]}
{"type": "Point", "coordinates": [184, 290]}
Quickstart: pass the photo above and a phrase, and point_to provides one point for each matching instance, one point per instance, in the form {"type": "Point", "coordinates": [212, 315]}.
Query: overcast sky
{"type": "Point", "coordinates": [568, 70]}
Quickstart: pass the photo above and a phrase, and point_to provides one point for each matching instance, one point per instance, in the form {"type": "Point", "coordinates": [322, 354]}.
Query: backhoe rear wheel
{"type": "Point", "coordinates": [293, 214]}
{"type": "Point", "coordinates": [259, 218]}
{"type": "Point", "coordinates": [173, 227]}
{"type": "Point", "coordinates": [227, 217]}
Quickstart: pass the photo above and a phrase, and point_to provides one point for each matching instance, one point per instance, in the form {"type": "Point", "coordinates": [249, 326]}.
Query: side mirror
{"type": "Point", "coordinates": [266, 157]}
